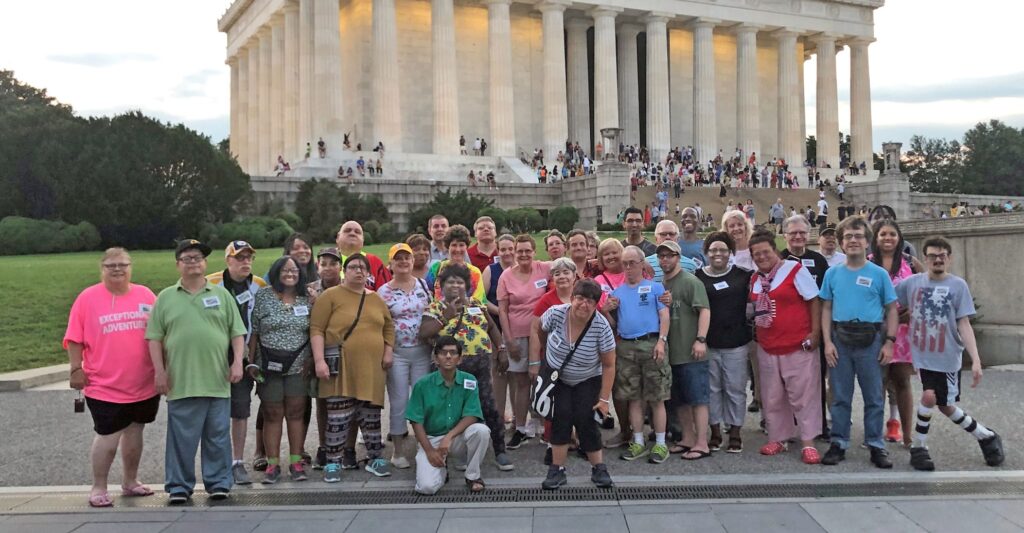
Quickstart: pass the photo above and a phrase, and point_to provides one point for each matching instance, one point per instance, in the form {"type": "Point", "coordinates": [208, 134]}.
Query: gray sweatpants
{"type": "Point", "coordinates": [728, 374]}
{"type": "Point", "coordinates": [410, 365]}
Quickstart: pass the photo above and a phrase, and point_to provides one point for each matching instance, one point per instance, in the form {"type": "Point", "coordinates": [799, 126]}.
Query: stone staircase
{"type": "Point", "coordinates": [417, 167]}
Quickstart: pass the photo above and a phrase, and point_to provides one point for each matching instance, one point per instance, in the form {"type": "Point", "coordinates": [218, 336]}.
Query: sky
{"type": "Point", "coordinates": [937, 66]}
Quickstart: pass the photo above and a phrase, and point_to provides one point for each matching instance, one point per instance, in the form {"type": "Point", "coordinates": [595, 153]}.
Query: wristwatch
{"type": "Point", "coordinates": [702, 339]}
{"type": "Point", "coordinates": [890, 338]}
{"type": "Point", "coordinates": [663, 338]}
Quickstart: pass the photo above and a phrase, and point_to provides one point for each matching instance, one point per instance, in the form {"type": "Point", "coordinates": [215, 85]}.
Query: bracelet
{"type": "Point", "coordinates": [73, 370]}
{"type": "Point", "coordinates": [605, 401]}
{"type": "Point", "coordinates": [533, 363]}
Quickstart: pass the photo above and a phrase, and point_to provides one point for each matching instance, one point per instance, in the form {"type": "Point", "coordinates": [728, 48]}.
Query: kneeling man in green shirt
{"type": "Point", "coordinates": [444, 409]}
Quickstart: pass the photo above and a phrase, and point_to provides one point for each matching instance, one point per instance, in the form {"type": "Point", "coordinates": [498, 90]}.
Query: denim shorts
{"type": "Point", "coordinates": [691, 384]}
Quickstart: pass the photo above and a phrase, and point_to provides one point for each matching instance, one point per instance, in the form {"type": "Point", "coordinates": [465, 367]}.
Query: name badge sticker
{"type": "Point", "coordinates": [301, 310]}
{"type": "Point", "coordinates": [541, 283]}
{"type": "Point", "coordinates": [941, 291]}
{"type": "Point", "coordinates": [643, 289]}
{"type": "Point", "coordinates": [606, 288]}
{"type": "Point", "coordinates": [721, 285]}
{"type": "Point", "coordinates": [474, 310]}
{"type": "Point", "coordinates": [244, 298]}
{"type": "Point", "coordinates": [211, 301]}
{"type": "Point", "coordinates": [145, 308]}
{"type": "Point", "coordinates": [863, 281]}
{"type": "Point", "coordinates": [807, 263]}
{"type": "Point", "coordinates": [469, 384]}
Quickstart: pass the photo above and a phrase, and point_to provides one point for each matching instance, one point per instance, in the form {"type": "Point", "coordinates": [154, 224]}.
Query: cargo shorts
{"type": "Point", "coordinates": [638, 376]}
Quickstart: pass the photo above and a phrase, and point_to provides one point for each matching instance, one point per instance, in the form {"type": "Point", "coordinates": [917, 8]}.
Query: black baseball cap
{"type": "Point", "coordinates": [188, 244]}
{"type": "Point", "coordinates": [829, 228]}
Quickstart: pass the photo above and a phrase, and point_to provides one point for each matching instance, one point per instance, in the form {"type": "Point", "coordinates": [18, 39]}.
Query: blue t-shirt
{"type": "Point", "coordinates": [638, 308]}
{"type": "Point", "coordinates": [694, 250]}
{"type": "Point", "coordinates": [860, 294]}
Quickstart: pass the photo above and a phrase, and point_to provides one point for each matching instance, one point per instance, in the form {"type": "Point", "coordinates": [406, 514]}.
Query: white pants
{"type": "Point", "coordinates": [470, 446]}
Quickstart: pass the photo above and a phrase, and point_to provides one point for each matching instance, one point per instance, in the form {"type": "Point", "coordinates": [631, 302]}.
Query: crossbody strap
{"type": "Point", "coordinates": [359, 313]}
{"type": "Point", "coordinates": [579, 339]}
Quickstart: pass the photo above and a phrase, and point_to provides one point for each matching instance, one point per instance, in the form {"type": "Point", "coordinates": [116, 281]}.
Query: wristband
{"type": "Point", "coordinates": [252, 365]}
{"type": "Point", "coordinates": [605, 401]}
{"type": "Point", "coordinates": [533, 363]}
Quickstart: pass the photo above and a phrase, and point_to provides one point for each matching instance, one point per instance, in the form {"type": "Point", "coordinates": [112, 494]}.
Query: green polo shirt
{"type": "Point", "coordinates": [438, 407]}
{"type": "Point", "coordinates": [196, 330]}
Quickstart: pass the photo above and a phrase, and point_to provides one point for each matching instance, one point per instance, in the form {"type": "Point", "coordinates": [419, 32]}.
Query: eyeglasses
{"type": "Point", "coordinates": [448, 352]}
{"type": "Point", "coordinates": [629, 264]}
{"type": "Point", "coordinates": [191, 259]}
{"type": "Point", "coordinates": [116, 266]}
{"type": "Point", "coordinates": [854, 236]}
{"type": "Point", "coordinates": [356, 268]}
{"type": "Point", "coordinates": [289, 271]}
{"type": "Point", "coordinates": [797, 233]}
{"type": "Point", "coordinates": [933, 257]}
{"type": "Point", "coordinates": [667, 256]}
{"type": "Point", "coordinates": [244, 258]}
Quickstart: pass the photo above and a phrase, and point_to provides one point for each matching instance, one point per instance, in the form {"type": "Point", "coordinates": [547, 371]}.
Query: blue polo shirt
{"type": "Point", "coordinates": [860, 294]}
{"type": "Point", "coordinates": [638, 308]}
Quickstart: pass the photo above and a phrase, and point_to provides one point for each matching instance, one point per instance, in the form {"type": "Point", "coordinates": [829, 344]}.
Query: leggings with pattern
{"type": "Point", "coordinates": [341, 413]}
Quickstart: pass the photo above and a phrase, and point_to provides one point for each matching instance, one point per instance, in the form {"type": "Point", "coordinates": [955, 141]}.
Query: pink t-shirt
{"type": "Point", "coordinates": [115, 355]}
{"type": "Point", "coordinates": [608, 282]}
{"type": "Point", "coordinates": [522, 296]}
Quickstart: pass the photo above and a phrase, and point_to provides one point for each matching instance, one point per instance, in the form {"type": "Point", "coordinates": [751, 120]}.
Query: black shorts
{"type": "Point", "coordinates": [241, 397]}
{"type": "Point", "coordinates": [945, 384]}
{"type": "Point", "coordinates": [109, 417]}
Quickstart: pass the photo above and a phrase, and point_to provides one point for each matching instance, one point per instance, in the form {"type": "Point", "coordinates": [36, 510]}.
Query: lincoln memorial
{"type": "Point", "coordinates": [417, 74]}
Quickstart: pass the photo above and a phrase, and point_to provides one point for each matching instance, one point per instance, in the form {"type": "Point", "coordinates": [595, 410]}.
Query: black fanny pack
{"type": "Point", "coordinates": [855, 333]}
{"type": "Point", "coordinates": [274, 361]}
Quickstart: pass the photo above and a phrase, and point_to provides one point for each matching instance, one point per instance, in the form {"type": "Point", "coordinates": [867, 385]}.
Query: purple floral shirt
{"type": "Point", "coordinates": [407, 310]}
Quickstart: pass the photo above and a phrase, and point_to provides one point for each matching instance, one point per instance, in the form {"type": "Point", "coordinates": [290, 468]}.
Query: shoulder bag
{"type": "Point", "coordinates": [543, 398]}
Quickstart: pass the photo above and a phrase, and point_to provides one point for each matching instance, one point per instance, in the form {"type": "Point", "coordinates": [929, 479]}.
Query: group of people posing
{"type": "Point", "coordinates": [450, 332]}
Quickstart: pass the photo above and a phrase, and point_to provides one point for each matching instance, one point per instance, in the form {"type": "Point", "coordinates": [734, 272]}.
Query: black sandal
{"type": "Point", "coordinates": [476, 485]}
{"type": "Point", "coordinates": [735, 444]}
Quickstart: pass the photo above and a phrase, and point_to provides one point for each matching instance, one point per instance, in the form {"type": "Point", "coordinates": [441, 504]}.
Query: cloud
{"type": "Point", "coordinates": [903, 132]}
{"type": "Point", "coordinates": [194, 85]}
{"type": "Point", "coordinates": [1006, 85]}
{"type": "Point", "coordinates": [100, 60]}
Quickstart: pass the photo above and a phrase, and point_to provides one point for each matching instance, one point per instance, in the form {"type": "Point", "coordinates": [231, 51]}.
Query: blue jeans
{"type": "Point", "coordinates": [861, 363]}
{"type": "Point", "coordinates": [189, 422]}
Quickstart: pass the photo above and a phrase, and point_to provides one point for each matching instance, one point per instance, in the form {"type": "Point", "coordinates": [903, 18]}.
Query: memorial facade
{"type": "Point", "coordinates": [417, 74]}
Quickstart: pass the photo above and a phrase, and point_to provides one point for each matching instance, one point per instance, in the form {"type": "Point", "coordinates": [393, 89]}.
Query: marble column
{"type": "Point", "coordinates": [705, 130]}
{"type": "Point", "coordinates": [801, 63]}
{"type": "Point", "coordinates": [306, 73]}
{"type": "Point", "coordinates": [387, 108]}
{"type": "Point", "coordinates": [629, 83]}
{"type": "Point", "coordinates": [659, 131]}
{"type": "Point", "coordinates": [327, 111]}
{"type": "Point", "coordinates": [748, 109]}
{"type": "Point", "coordinates": [233, 135]}
{"type": "Point", "coordinates": [502, 108]}
{"type": "Point", "coordinates": [789, 96]}
{"type": "Point", "coordinates": [290, 128]}
{"type": "Point", "coordinates": [240, 130]}
{"type": "Point", "coordinates": [555, 114]}
{"type": "Point", "coordinates": [579, 82]}
{"type": "Point", "coordinates": [276, 87]}
{"type": "Point", "coordinates": [826, 96]}
{"type": "Point", "coordinates": [446, 80]}
{"type": "Point", "coordinates": [265, 163]}
{"type": "Point", "coordinates": [861, 146]}
{"type": "Point", "coordinates": [252, 153]}
{"type": "Point", "coordinates": [606, 82]}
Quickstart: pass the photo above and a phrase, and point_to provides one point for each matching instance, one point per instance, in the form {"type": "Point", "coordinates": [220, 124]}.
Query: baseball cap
{"type": "Point", "coordinates": [331, 251]}
{"type": "Point", "coordinates": [236, 247]}
{"type": "Point", "coordinates": [672, 246]}
{"type": "Point", "coordinates": [829, 228]}
{"type": "Point", "coordinates": [188, 244]}
{"type": "Point", "coordinates": [400, 247]}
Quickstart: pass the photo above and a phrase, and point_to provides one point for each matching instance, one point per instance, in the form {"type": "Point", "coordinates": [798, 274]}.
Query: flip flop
{"type": "Point", "coordinates": [678, 448]}
{"type": "Point", "coordinates": [101, 499]}
{"type": "Point", "coordinates": [700, 455]}
{"type": "Point", "coordinates": [137, 490]}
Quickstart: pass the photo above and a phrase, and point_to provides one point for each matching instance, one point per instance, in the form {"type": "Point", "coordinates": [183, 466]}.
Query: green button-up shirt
{"type": "Point", "coordinates": [438, 407]}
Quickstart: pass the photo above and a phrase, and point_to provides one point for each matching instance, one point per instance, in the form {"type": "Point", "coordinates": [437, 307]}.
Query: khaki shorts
{"type": "Point", "coordinates": [276, 388]}
{"type": "Point", "coordinates": [638, 376]}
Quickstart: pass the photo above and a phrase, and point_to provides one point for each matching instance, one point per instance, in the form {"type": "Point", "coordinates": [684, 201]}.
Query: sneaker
{"type": "Point", "coordinates": [599, 475]}
{"type": "Point", "coordinates": [271, 474]}
{"type": "Point", "coordinates": [307, 459]}
{"type": "Point", "coordinates": [658, 454]}
{"type": "Point", "coordinates": [332, 473]}
{"type": "Point", "coordinates": [992, 449]}
{"type": "Point", "coordinates": [834, 454]}
{"type": "Point", "coordinates": [892, 431]}
{"type": "Point", "coordinates": [218, 494]}
{"type": "Point", "coordinates": [321, 458]}
{"type": "Point", "coordinates": [556, 478]}
{"type": "Point", "coordinates": [503, 462]}
{"type": "Point", "coordinates": [517, 440]}
{"type": "Point", "coordinates": [547, 456]}
{"type": "Point", "coordinates": [634, 451]}
{"type": "Point", "coordinates": [259, 464]}
{"type": "Point", "coordinates": [809, 455]}
{"type": "Point", "coordinates": [348, 459]}
{"type": "Point", "coordinates": [177, 498]}
{"type": "Point", "coordinates": [618, 441]}
{"type": "Point", "coordinates": [297, 472]}
{"type": "Point", "coordinates": [240, 474]}
{"type": "Point", "coordinates": [773, 448]}
{"type": "Point", "coordinates": [880, 458]}
{"type": "Point", "coordinates": [921, 460]}
{"type": "Point", "coordinates": [379, 467]}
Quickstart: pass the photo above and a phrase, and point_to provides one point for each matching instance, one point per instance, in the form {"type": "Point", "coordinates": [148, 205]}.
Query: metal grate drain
{"type": "Point", "coordinates": [299, 498]}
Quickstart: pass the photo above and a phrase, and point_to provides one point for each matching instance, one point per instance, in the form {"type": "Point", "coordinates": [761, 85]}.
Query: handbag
{"type": "Point", "coordinates": [855, 333]}
{"type": "Point", "coordinates": [543, 398]}
{"type": "Point", "coordinates": [274, 361]}
{"type": "Point", "coordinates": [332, 354]}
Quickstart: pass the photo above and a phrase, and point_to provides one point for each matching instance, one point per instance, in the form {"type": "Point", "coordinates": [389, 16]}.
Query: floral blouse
{"type": "Point", "coordinates": [407, 310]}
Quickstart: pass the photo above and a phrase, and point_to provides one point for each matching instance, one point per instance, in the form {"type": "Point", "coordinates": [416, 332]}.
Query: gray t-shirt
{"type": "Point", "coordinates": [935, 307]}
{"type": "Point", "coordinates": [586, 361]}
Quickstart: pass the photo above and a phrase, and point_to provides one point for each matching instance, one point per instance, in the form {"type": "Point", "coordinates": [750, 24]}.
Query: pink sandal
{"type": "Point", "coordinates": [137, 490]}
{"type": "Point", "coordinates": [101, 499]}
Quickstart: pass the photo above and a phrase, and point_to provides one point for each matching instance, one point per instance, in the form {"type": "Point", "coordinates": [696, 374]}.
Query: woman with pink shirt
{"type": "Point", "coordinates": [519, 290]}
{"type": "Point", "coordinates": [110, 361]}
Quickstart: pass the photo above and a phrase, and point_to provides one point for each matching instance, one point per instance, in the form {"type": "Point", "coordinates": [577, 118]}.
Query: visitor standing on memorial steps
{"type": "Point", "coordinates": [941, 307]}
{"type": "Point", "coordinates": [859, 322]}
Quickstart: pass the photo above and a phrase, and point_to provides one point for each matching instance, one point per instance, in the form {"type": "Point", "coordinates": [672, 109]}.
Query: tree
{"type": "Point", "coordinates": [563, 218]}
{"type": "Point", "coordinates": [322, 205]}
{"type": "Point", "coordinates": [994, 162]}
{"type": "Point", "coordinates": [459, 208]}
{"type": "Point", "coordinates": [934, 165]}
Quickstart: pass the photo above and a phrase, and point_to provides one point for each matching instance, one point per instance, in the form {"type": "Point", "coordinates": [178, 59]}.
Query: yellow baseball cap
{"type": "Point", "coordinates": [400, 247]}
